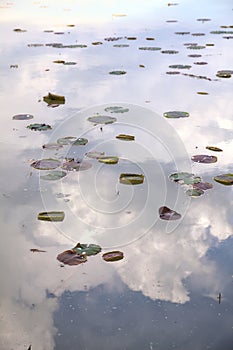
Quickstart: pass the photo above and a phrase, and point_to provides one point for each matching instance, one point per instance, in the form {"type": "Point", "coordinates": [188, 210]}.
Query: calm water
{"type": "Point", "coordinates": [173, 289]}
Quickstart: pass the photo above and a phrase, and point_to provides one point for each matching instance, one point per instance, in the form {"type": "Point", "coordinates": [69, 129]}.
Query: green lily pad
{"type": "Point", "coordinates": [117, 72]}
{"type": "Point", "coordinates": [87, 249]}
{"type": "Point", "coordinates": [22, 117]}
{"type": "Point", "coordinates": [131, 179]}
{"type": "Point", "coordinates": [52, 146]}
{"type": "Point", "coordinates": [113, 256]}
{"type": "Point", "coordinates": [176, 114]}
{"type": "Point", "coordinates": [116, 109]}
{"type": "Point", "coordinates": [46, 164]}
{"type": "Point", "coordinates": [224, 73]}
{"type": "Point", "coordinates": [194, 192]}
{"type": "Point", "coordinates": [53, 175]}
{"type": "Point", "coordinates": [185, 178]}
{"type": "Point", "coordinates": [224, 179]}
{"type": "Point", "coordinates": [94, 154]}
{"type": "Point", "coordinates": [66, 140]}
{"type": "Point", "coordinates": [170, 52]}
{"type": "Point", "coordinates": [195, 47]}
{"type": "Point", "coordinates": [149, 48]}
{"type": "Point", "coordinates": [75, 165]}
{"type": "Point", "coordinates": [203, 186]}
{"type": "Point", "coordinates": [213, 148]}
{"type": "Point", "coordinates": [102, 119]}
{"type": "Point", "coordinates": [108, 159]}
{"type": "Point", "coordinates": [54, 99]}
{"type": "Point", "coordinates": [121, 45]}
{"type": "Point", "coordinates": [166, 213]}
{"type": "Point", "coordinates": [69, 257]}
{"type": "Point", "coordinates": [51, 216]}
{"type": "Point", "coordinates": [180, 66]}
{"type": "Point", "coordinates": [125, 137]}
{"type": "Point", "coordinates": [81, 141]}
{"type": "Point", "coordinates": [203, 158]}
{"type": "Point", "coordinates": [39, 127]}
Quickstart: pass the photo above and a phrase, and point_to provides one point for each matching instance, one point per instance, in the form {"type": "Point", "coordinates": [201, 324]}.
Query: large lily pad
{"type": "Point", "coordinates": [176, 114]}
{"type": "Point", "coordinates": [166, 213]}
{"type": "Point", "coordinates": [53, 175]}
{"type": "Point", "coordinates": [70, 257]}
{"type": "Point", "coordinates": [113, 256]}
{"type": "Point", "coordinates": [22, 117]}
{"type": "Point", "coordinates": [131, 179]}
{"type": "Point", "coordinates": [125, 137]}
{"type": "Point", "coordinates": [102, 119]}
{"type": "Point", "coordinates": [87, 249]}
{"type": "Point", "coordinates": [39, 127]}
{"type": "Point", "coordinates": [185, 178]}
{"type": "Point", "coordinates": [224, 179]}
{"type": "Point", "coordinates": [116, 109]}
{"type": "Point", "coordinates": [213, 148]}
{"type": "Point", "coordinates": [224, 74]}
{"type": "Point", "coordinates": [108, 159]}
{"type": "Point", "coordinates": [117, 72]}
{"type": "Point", "coordinates": [81, 141]}
{"type": "Point", "coordinates": [46, 164]}
{"type": "Point", "coordinates": [76, 165]}
{"type": "Point", "coordinates": [51, 216]}
{"type": "Point", "coordinates": [203, 158]}
{"type": "Point", "coordinates": [54, 99]}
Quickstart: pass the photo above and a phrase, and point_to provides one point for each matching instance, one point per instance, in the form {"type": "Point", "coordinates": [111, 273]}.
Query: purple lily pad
{"type": "Point", "coordinates": [166, 213]}
{"type": "Point", "coordinates": [203, 158]}
{"type": "Point", "coordinates": [70, 257]}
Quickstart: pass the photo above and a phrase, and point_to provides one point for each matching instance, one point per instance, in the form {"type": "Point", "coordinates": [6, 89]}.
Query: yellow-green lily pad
{"type": "Point", "coordinates": [213, 148]}
{"type": "Point", "coordinates": [108, 159]}
{"type": "Point", "coordinates": [176, 114]}
{"type": "Point", "coordinates": [51, 216]}
{"type": "Point", "coordinates": [125, 137]}
{"type": "Point", "coordinates": [54, 99]}
{"type": "Point", "coordinates": [224, 179]}
{"type": "Point", "coordinates": [131, 179]}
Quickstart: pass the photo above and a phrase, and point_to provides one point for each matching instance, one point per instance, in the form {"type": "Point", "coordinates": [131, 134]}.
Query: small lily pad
{"type": "Point", "coordinates": [203, 158]}
{"type": "Point", "coordinates": [22, 117]}
{"type": "Point", "coordinates": [194, 192]}
{"type": "Point", "coordinates": [69, 63]}
{"type": "Point", "coordinates": [195, 47]}
{"type": "Point", "coordinates": [53, 175]}
{"type": "Point", "coordinates": [224, 179]}
{"type": "Point", "coordinates": [149, 48]}
{"type": "Point", "coordinates": [203, 186]}
{"type": "Point", "coordinates": [51, 216]}
{"type": "Point", "coordinates": [166, 213]}
{"type": "Point", "coordinates": [59, 61]}
{"type": "Point", "coordinates": [201, 63]}
{"type": "Point", "coordinates": [102, 119]}
{"type": "Point", "coordinates": [182, 33]}
{"type": "Point", "coordinates": [39, 127]}
{"type": "Point", "coordinates": [19, 30]}
{"type": "Point", "coordinates": [180, 66]}
{"type": "Point", "coordinates": [94, 154]}
{"type": "Point", "coordinates": [97, 43]}
{"type": "Point", "coordinates": [108, 159]}
{"type": "Point", "coordinates": [54, 99]}
{"type": "Point", "coordinates": [81, 141]}
{"type": "Point", "coordinates": [87, 249]}
{"type": "Point", "coordinates": [121, 45]}
{"type": "Point", "coordinates": [131, 179]}
{"type": "Point", "coordinates": [173, 72]}
{"type": "Point", "coordinates": [115, 38]}
{"type": "Point", "coordinates": [75, 165]}
{"type": "Point", "coordinates": [116, 109]}
{"type": "Point", "coordinates": [202, 93]}
{"type": "Point", "coordinates": [194, 55]}
{"type": "Point", "coordinates": [198, 34]}
{"type": "Point", "coordinates": [131, 38]}
{"type": "Point", "coordinates": [46, 164]}
{"type": "Point", "coordinates": [125, 137]}
{"type": "Point", "coordinates": [113, 256]}
{"type": "Point", "coordinates": [117, 72]}
{"type": "Point", "coordinates": [69, 257]}
{"type": "Point", "coordinates": [52, 146]}
{"type": "Point", "coordinates": [224, 74]}
{"type": "Point", "coordinates": [176, 114]}
{"type": "Point", "coordinates": [185, 178]}
{"type": "Point", "coordinates": [169, 52]}
{"type": "Point", "coordinates": [213, 148]}
{"type": "Point", "coordinates": [203, 19]}
{"type": "Point", "coordinates": [66, 140]}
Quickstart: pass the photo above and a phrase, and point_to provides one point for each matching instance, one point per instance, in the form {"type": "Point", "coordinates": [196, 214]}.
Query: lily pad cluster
{"type": "Point", "coordinates": [193, 184]}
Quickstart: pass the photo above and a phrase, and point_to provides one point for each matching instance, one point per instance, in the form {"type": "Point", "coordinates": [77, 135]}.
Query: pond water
{"type": "Point", "coordinates": [173, 288]}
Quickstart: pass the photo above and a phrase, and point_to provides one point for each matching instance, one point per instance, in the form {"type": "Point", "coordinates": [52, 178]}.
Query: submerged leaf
{"type": "Point", "coordinates": [116, 109]}
{"type": "Point", "coordinates": [202, 158]}
{"type": "Point", "coordinates": [113, 256]}
{"type": "Point", "coordinates": [131, 179]}
{"type": "Point", "coordinates": [194, 192]}
{"type": "Point", "coordinates": [53, 175]}
{"type": "Point", "coordinates": [87, 249]}
{"type": "Point", "coordinates": [149, 48]}
{"type": "Point", "coordinates": [46, 164]}
{"type": "Point", "coordinates": [101, 119]}
{"type": "Point", "coordinates": [224, 179]}
{"type": "Point", "coordinates": [215, 149]}
{"type": "Point", "coordinates": [81, 141]}
{"type": "Point", "coordinates": [22, 117]}
{"type": "Point", "coordinates": [166, 213]}
{"type": "Point", "coordinates": [117, 72]}
{"type": "Point", "coordinates": [51, 216]}
{"type": "Point", "coordinates": [125, 137]}
{"type": "Point", "coordinates": [69, 257]}
{"type": "Point", "coordinates": [94, 154]}
{"type": "Point", "coordinates": [108, 159]}
{"type": "Point", "coordinates": [39, 127]}
{"type": "Point", "coordinates": [66, 140]}
{"type": "Point", "coordinates": [176, 114]}
{"type": "Point", "coordinates": [185, 178]}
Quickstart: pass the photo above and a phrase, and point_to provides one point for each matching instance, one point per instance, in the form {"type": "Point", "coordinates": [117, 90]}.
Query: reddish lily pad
{"type": "Point", "coordinates": [203, 186]}
{"type": "Point", "coordinates": [113, 256]}
{"type": "Point", "coordinates": [22, 117]}
{"type": "Point", "coordinates": [51, 216]}
{"type": "Point", "coordinates": [46, 164]}
{"type": "Point", "coordinates": [166, 213]}
{"type": "Point", "coordinates": [224, 179]}
{"type": "Point", "coordinates": [70, 257]}
{"type": "Point", "coordinates": [203, 158]}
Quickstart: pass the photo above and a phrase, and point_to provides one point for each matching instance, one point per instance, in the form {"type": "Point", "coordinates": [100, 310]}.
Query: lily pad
{"type": "Point", "coordinates": [125, 137]}
{"type": "Point", "coordinates": [39, 127]}
{"type": "Point", "coordinates": [121, 45]}
{"type": "Point", "coordinates": [203, 19]}
{"type": "Point", "coordinates": [69, 257]}
{"type": "Point", "coordinates": [51, 216]}
{"type": "Point", "coordinates": [202, 93]}
{"type": "Point", "coordinates": [19, 30]}
{"type": "Point", "coordinates": [117, 72]}
{"type": "Point", "coordinates": [52, 146]}
{"type": "Point", "coordinates": [173, 72]}
{"type": "Point", "coordinates": [87, 249]}
{"type": "Point", "coordinates": [195, 55]}
{"type": "Point", "coordinates": [194, 192]}
{"type": "Point", "coordinates": [75, 165]}
{"type": "Point", "coordinates": [213, 148]}
{"type": "Point", "coordinates": [54, 99]}
{"type": "Point", "coordinates": [22, 117]}
{"type": "Point", "coordinates": [102, 119]}
{"type": "Point", "coordinates": [224, 179]}
{"type": "Point", "coordinates": [94, 154]}
{"type": "Point", "coordinates": [176, 114]}
{"type": "Point", "coordinates": [59, 61]}
{"type": "Point", "coordinates": [70, 63]}
{"type": "Point", "coordinates": [113, 256]}
{"type": "Point", "coordinates": [201, 63]}
{"type": "Point", "coordinates": [203, 158]}
{"type": "Point", "coordinates": [53, 175]}
{"type": "Point", "coordinates": [116, 109]}
{"type": "Point", "coordinates": [203, 186]}
{"type": "Point", "coordinates": [113, 38]}
{"type": "Point", "coordinates": [180, 66]}
{"type": "Point", "coordinates": [66, 140]}
{"type": "Point", "coordinates": [185, 178]}
{"type": "Point", "coordinates": [108, 159]}
{"type": "Point", "coordinates": [131, 179]}
{"type": "Point", "coordinates": [170, 52]}
{"type": "Point", "coordinates": [81, 141]}
{"type": "Point", "coordinates": [224, 73]}
{"type": "Point", "coordinates": [46, 164]}
{"type": "Point", "coordinates": [182, 33]}
{"type": "Point", "coordinates": [166, 213]}
{"type": "Point", "coordinates": [198, 34]}
{"type": "Point", "coordinates": [149, 48]}
{"type": "Point", "coordinates": [131, 38]}
{"type": "Point", "coordinates": [196, 47]}
{"type": "Point", "coordinates": [97, 43]}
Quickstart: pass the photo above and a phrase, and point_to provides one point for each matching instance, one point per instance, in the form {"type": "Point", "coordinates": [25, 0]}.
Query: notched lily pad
{"type": "Point", "coordinates": [70, 257]}
{"type": "Point", "coordinates": [54, 99]}
{"type": "Point", "coordinates": [166, 213]}
{"type": "Point", "coordinates": [81, 141]}
{"type": "Point", "coordinates": [22, 117]}
{"type": "Point", "coordinates": [87, 249]}
{"type": "Point", "coordinates": [205, 159]}
{"type": "Point", "coordinates": [108, 159]}
{"type": "Point", "coordinates": [113, 256]}
{"type": "Point", "coordinates": [176, 114]}
{"type": "Point", "coordinates": [125, 137]}
{"type": "Point", "coordinates": [51, 216]}
{"type": "Point", "coordinates": [224, 179]}
{"type": "Point", "coordinates": [131, 179]}
{"type": "Point", "coordinates": [39, 127]}
{"type": "Point", "coordinates": [46, 164]}
{"type": "Point", "coordinates": [101, 119]}
{"type": "Point", "coordinates": [53, 175]}
{"type": "Point", "coordinates": [213, 148]}
{"type": "Point", "coordinates": [116, 109]}
{"type": "Point", "coordinates": [76, 165]}
{"type": "Point", "coordinates": [117, 72]}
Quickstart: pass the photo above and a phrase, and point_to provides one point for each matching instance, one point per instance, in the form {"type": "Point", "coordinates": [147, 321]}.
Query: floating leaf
{"type": "Point", "coordinates": [197, 76]}
{"type": "Point", "coordinates": [97, 43]}
{"type": "Point", "coordinates": [185, 178]}
{"type": "Point", "coordinates": [215, 149]}
{"type": "Point", "coordinates": [224, 179]}
{"type": "Point", "coordinates": [224, 73]}
{"type": "Point", "coordinates": [203, 186]}
{"type": "Point", "coordinates": [194, 55]}
{"type": "Point", "coordinates": [113, 38]}
{"type": "Point", "coordinates": [131, 38]}
{"type": "Point", "coordinates": [53, 146]}
{"type": "Point", "coordinates": [66, 140]}
{"type": "Point", "coordinates": [194, 192]}
{"type": "Point", "coordinates": [180, 66]}
{"type": "Point", "coordinates": [182, 33]}
{"type": "Point", "coordinates": [46, 164]}
{"type": "Point", "coordinates": [202, 93]}
{"type": "Point", "coordinates": [69, 63]}
{"type": "Point", "coordinates": [149, 48]}
{"type": "Point", "coordinates": [108, 159]}
{"type": "Point", "coordinates": [201, 63]}
{"type": "Point", "coordinates": [198, 34]}
{"type": "Point", "coordinates": [22, 117]}
{"type": "Point", "coordinates": [203, 19]}
{"type": "Point", "coordinates": [125, 137]}
{"type": "Point", "coordinates": [150, 38]}
{"type": "Point", "coordinates": [18, 30]}
{"type": "Point", "coordinates": [102, 119]}
{"type": "Point", "coordinates": [176, 114]}
{"type": "Point", "coordinates": [195, 47]}
{"type": "Point", "coordinates": [171, 21]}
{"type": "Point", "coordinates": [94, 154]}
{"type": "Point", "coordinates": [116, 109]}
{"type": "Point", "coordinates": [173, 72]}
{"type": "Point", "coordinates": [69, 257]}
{"type": "Point", "coordinates": [131, 179]}
{"type": "Point", "coordinates": [113, 256]}
{"type": "Point", "coordinates": [166, 213]}
{"type": "Point", "coordinates": [202, 158]}
{"type": "Point", "coordinates": [59, 61]}
{"type": "Point", "coordinates": [117, 72]}
{"type": "Point", "coordinates": [87, 249]}
{"type": "Point", "coordinates": [81, 141]}
{"type": "Point", "coordinates": [170, 52]}
{"type": "Point", "coordinates": [53, 175]}
{"type": "Point", "coordinates": [51, 216]}
{"type": "Point", "coordinates": [75, 165]}
{"type": "Point", "coordinates": [54, 99]}
{"type": "Point", "coordinates": [39, 127]}
{"type": "Point", "coordinates": [121, 45]}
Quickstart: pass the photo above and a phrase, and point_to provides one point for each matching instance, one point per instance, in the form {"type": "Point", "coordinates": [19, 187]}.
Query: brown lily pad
{"type": "Point", "coordinates": [113, 256]}
{"type": "Point", "coordinates": [166, 213]}
{"type": "Point", "coordinates": [70, 257]}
